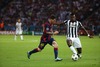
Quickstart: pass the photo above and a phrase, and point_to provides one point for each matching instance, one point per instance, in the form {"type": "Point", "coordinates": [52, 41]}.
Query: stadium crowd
{"type": "Point", "coordinates": [35, 12]}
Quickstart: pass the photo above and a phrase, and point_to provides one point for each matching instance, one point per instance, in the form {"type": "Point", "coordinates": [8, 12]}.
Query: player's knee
{"type": "Point", "coordinates": [69, 42]}
{"type": "Point", "coordinates": [39, 49]}
{"type": "Point", "coordinates": [55, 45]}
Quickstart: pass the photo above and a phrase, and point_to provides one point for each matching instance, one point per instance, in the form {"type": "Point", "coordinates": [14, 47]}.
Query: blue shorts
{"type": "Point", "coordinates": [43, 44]}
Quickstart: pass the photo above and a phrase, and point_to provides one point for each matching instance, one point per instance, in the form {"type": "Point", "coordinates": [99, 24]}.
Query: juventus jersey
{"type": "Point", "coordinates": [72, 28]}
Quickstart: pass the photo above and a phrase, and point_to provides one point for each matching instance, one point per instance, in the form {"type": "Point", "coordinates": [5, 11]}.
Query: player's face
{"type": "Point", "coordinates": [53, 21]}
{"type": "Point", "coordinates": [72, 17]}
{"type": "Point", "coordinates": [19, 20]}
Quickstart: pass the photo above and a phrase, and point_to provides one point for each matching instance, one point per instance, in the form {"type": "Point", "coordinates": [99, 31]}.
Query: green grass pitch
{"type": "Point", "coordinates": [13, 53]}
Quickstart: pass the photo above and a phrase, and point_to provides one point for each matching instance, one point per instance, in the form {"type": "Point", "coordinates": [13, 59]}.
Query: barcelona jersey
{"type": "Point", "coordinates": [47, 27]}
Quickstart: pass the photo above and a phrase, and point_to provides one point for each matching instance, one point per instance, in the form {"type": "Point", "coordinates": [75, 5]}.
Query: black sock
{"type": "Point", "coordinates": [56, 52]}
{"type": "Point", "coordinates": [33, 51]}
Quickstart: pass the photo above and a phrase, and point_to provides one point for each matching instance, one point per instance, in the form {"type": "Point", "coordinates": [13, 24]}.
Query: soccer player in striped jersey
{"type": "Point", "coordinates": [73, 40]}
{"type": "Point", "coordinates": [47, 39]}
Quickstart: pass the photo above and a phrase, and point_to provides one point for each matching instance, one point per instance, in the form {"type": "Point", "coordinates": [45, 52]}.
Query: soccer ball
{"type": "Point", "coordinates": [74, 57]}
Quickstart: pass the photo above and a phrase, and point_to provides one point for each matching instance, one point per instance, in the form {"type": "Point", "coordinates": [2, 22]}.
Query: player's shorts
{"type": "Point", "coordinates": [43, 44]}
{"type": "Point", "coordinates": [76, 42]}
{"type": "Point", "coordinates": [18, 32]}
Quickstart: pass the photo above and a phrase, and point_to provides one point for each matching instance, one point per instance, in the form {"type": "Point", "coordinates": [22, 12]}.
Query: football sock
{"type": "Point", "coordinates": [33, 51]}
{"type": "Point", "coordinates": [15, 37]}
{"type": "Point", "coordinates": [73, 49]}
{"type": "Point", "coordinates": [21, 37]}
{"type": "Point", "coordinates": [56, 52]}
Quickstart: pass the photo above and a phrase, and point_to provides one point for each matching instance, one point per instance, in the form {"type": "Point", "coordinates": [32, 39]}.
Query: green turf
{"type": "Point", "coordinates": [13, 53]}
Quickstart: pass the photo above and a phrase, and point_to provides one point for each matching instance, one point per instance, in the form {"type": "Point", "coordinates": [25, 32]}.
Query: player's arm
{"type": "Point", "coordinates": [22, 25]}
{"type": "Point", "coordinates": [47, 31]}
{"type": "Point", "coordinates": [52, 33]}
{"type": "Point", "coordinates": [85, 30]}
{"type": "Point", "coordinates": [60, 23]}
{"type": "Point", "coordinates": [16, 25]}
{"type": "Point", "coordinates": [57, 23]}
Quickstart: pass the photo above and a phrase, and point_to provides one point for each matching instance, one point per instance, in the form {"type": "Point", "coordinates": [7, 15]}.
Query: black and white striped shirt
{"type": "Point", "coordinates": [72, 28]}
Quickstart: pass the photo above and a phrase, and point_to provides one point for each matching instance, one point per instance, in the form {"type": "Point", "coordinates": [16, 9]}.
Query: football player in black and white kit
{"type": "Point", "coordinates": [72, 38]}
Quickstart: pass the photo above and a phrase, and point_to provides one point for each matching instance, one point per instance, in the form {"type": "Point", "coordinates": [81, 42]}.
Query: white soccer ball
{"type": "Point", "coordinates": [74, 57]}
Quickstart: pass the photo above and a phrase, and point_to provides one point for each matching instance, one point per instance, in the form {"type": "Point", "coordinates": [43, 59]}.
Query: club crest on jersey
{"type": "Point", "coordinates": [47, 28]}
{"type": "Point", "coordinates": [72, 25]}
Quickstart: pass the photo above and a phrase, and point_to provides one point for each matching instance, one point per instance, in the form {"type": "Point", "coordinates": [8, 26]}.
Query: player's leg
{"type": "Point", "coordinates": [69, 43]}
{"type": "Point", "coordinates": [15, 37]}
{"type": "Point", "coordinates": [78, 46]}
{"type": "Point", "coordinates": [38, 49]}
{"type": "Point", "coordinates": [21, 36]}
{"type": "Point", "coordinates": [16, 33]}
{"type": "Point", "coordinates": [55, 45]}
{"type": "Point", "coordinates": [79, 50]}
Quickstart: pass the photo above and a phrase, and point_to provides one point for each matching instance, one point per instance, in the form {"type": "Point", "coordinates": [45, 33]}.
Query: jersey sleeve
{"type": "Point", "coordinates": [65, 21]}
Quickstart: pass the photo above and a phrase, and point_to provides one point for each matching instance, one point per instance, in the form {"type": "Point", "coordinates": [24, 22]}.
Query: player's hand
{"type": "Point", "coordinates": [56, 32]}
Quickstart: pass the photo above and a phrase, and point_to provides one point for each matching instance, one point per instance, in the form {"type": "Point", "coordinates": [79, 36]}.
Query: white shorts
{"type": "Point", "coordinates": [76, 42]}
{"type": "Point", "coordinates": [18, 32]}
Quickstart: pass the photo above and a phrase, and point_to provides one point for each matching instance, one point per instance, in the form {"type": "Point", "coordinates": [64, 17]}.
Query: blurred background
{"type": "Point", "coordinates": [34, 13]}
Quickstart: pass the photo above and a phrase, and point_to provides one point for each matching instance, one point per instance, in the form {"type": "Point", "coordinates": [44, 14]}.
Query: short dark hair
{"type": "Point", "coordinates": [52, 17]}
{"type": "Point", "coordinates": [18, 18]}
